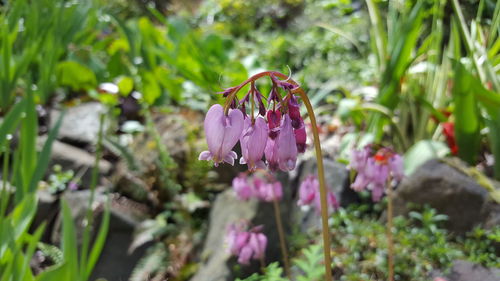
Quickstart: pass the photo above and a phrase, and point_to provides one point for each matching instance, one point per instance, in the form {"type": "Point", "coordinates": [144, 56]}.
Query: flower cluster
{"type": "Point", "coordinates": [244, 244]}
{"type": "Point", "coordinates": [257, 187]}
{"type": "Point", "coordinates": [309, 195]}
{"type": "Point", "coordinates": [276, 132]}
{"type": "Point", "coordinates": [374, 168]}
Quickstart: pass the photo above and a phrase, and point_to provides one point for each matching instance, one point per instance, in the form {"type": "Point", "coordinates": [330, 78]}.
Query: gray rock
{"type": "Point", "coordinates": [115, 263]}
{"type": "Point", "coordinates": [337, 179]}
{"type": "Point", "coordinates": [80, 123]}
{"type": "Point", "coordinates": [80, 161]}
{"type": "Point", "coordinates": [450, 192]}
{"type": "Point", "coordinates": [467, 271]}
{"type": "Point", "coordinates": [216, 263]}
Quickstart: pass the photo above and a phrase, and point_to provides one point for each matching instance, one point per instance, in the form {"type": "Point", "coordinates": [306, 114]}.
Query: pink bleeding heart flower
{"type": "Point", "coordinates": [374, 170]}
{"type": "Point", "coordinates": [294, 111]}
{"type": "Point", "coordinates": [253, 142]}
{"type": "Point", "coordinates": [273, 119]}
{"type": "Point", "coordinates": [242, 187]}
{"type": "Point", "coordinates": [287, 147]}
{"type": "Point", "coordinates": [300, 139]}
{"type": "Point", "coordinates": [309, 195]}
{"type": "Point", "coordinates": [271, 152]}
{"type": "Point", "coordinates": [396, 167]}
{"type": "Point", "coordinates": [222, 133]}
{"type": "Point", "coordinates": [268, 191]}
{"type": "Point", "coordinates": [246, 245]}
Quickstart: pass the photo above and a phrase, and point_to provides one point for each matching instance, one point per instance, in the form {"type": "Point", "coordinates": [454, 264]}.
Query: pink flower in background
{"type": "Point", "coordinates": [222, 133]}
{"type": "Point", "coordinates": [246, 245]}
{"type": "Point", "coordinates": [287, 147]}
{"type": "Point", "coordinates": [242, 187]}
{"type": "Point", "coordinates": [268, 191]}
{"type": "Point", "coordinates": [374, 169]}
{"type": "Point", "coordinates": [257, 187]}
{"type": "Point", "coordinates": [309, 195]}
{"type": "Point", "coordinates": [253, 142]}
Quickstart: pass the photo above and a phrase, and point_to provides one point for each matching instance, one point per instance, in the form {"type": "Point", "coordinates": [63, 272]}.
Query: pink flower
{"type": "Point", "coordinates": [246, 245]}
{"type": "Point", "coordinates": [271, 152]}
{"type": "Point", "coordinates": [374, 170]}
{"type": "Point", "coordinates": [287, 147]}
{"type": "Point", "coordinates": [253, 142]}
{"type": "Point", "coordinates": [242, 187]}
{"type": "Point", "coordinates": [273, 119]}
{"type": "Point", "coordinates": [309, 195]}
{"type": "Point", "coordinates": [268, 191]}
{"type": "Point", "coordinates": [222, 133]}
{"type": "Point", "coordinates": [294, 111]}
{"type": "Point", "coordinates": [300, 139]}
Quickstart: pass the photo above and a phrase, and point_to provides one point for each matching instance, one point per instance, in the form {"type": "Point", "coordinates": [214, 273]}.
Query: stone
{"type": "Point", "coordinates": [450, 192]}
{"type": "Point", "coordinates": [216, 264]}
{"type": "Point", "coordinates": [115, 261]}
{"type": "Point", "coordinates": [337, 180]}
{"type": "Point", "coordinates": [80, 123]}
{"type": "Point", "coordinates": [467, 271]}
{"type": "Point", "coordinates": [76, 159]}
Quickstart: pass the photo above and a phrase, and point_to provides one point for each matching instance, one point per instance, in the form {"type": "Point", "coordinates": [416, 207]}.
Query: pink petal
{"type": "Point", "coordinates": [205, 155]}
{"type": "Point", "coordinates": [287, 148]}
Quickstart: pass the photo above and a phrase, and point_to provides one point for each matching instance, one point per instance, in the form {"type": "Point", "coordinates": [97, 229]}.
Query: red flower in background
{"type": "Point", "coordinates": [449, 133]}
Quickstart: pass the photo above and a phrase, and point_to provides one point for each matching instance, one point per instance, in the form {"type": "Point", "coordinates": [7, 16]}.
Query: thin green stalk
{"type": "Point", "coordinates": [93, 183]}
{"type": "Point", "coordinates": [281, 234]}
{"type": "Point", "coordinates": [322, 187]}
{"type": "Point", "coordinates": [390, 241]}
{"type": "Point", "coordinates": [4, 195]}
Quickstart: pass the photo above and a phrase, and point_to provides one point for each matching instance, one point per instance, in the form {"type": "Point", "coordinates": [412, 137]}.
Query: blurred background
{"type": "Point", "coordinates": [102, 105]}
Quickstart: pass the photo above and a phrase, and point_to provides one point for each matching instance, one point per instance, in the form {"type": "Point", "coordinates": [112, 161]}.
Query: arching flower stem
{"type": "Point", "coordinates": [319, 157]}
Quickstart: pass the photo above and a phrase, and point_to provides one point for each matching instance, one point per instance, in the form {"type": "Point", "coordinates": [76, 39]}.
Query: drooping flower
{"type": "Point", "coordinates": [300, 139]}
{"type": "Point", "coordinates": [273, 120]}
{"type": "Point", "coordinates": [374, 168]}
{"type": "Point", "coordinates": [242, 187]}
{"type": "Point", "coordinates": [263, 188]}
{"type": "Point", "coordinates": [222, 133]}
{"type": "Point", "coordinates": [253, 142]}
{"type": "Point", "coordinates": [268, 191]}
{"type": "Point", "coordinates": [287, 147]}
{"type": "Point", "coordinates": [271, 152]}
{"type": "Point", "coordinates": [246, 245]}
{"type": "Point", "coordinates": [309, 194]}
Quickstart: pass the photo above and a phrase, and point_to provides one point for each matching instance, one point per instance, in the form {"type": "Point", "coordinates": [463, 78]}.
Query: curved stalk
{"type": "Point", "coordinates": [319, 157]}
{"type": "Point", "coordinates": [322, 187]}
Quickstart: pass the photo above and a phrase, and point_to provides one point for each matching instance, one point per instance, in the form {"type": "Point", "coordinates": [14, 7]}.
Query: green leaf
{"type": "Point", "coordinates": [75, 75]}
{"type": "Point", "coordinates": [467, 118]}
{"type": "Point", "coordinates": [68, 242]}
{"type": "Point", "coordinates": [125, 85]}
{"type": "Point", "coordinates": [151, 89]}
{"type": "Point", "coordinates": [98, 244]}
{"type": "Point", "coordinates": [422, 151]}
{"type": "Point", "coordinates": [11, 121]}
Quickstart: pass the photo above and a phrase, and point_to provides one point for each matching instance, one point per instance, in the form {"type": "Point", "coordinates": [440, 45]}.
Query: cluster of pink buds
{"type": "Point", "coordinates": [245, 244]}
{"type": "Point", "coordinates": [374, 168]}
{"type": "Point", "coordinates": [309, 195]}
{"type": "Point", "coordinates": [247, 187]}
{"type": "Point", "coordinates": [272, 129]}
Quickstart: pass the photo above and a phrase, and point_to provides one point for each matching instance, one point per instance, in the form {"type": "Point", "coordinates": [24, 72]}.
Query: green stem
{"type": "Point", "coordinates": [390, 241]}
{"type": "Point", "coordinates": [322, 187]}
{"type": "Point", "coordinates": [93, 184]}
